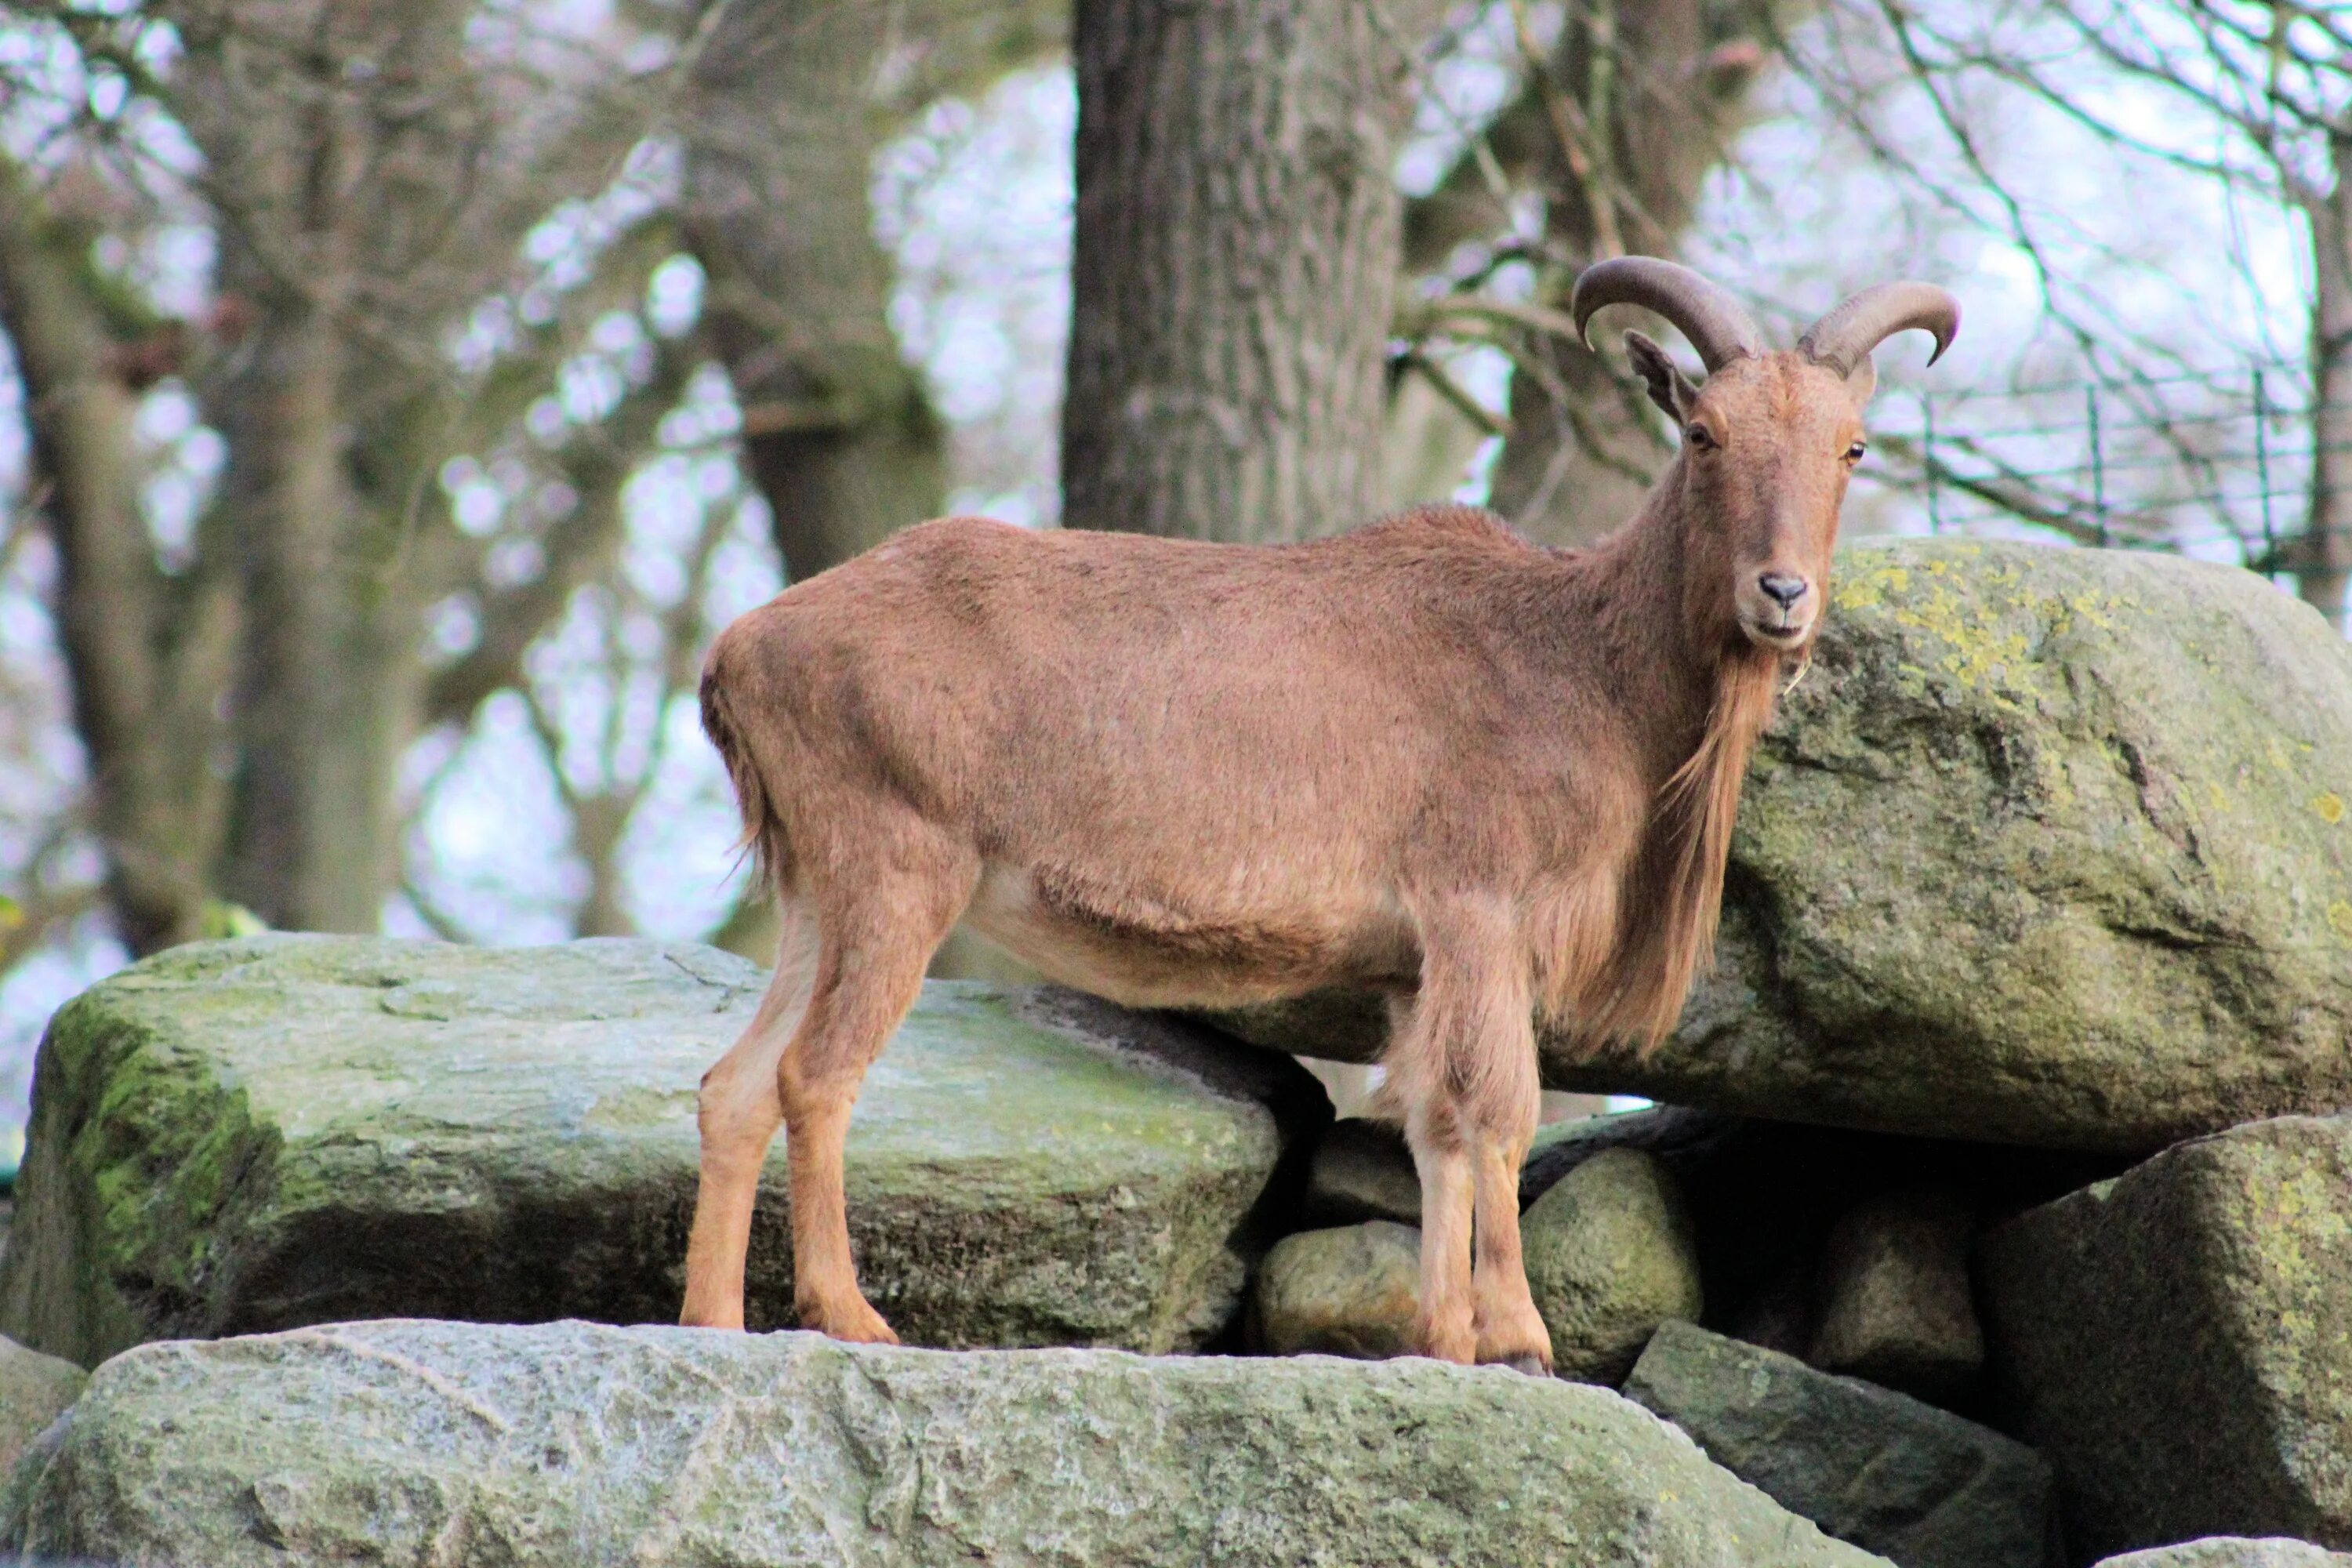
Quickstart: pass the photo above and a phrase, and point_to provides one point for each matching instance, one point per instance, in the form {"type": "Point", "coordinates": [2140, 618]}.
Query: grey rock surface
{"type": "Point", "coordinates": [1361, 1170]}
{"type": "Point", "coordinates": [2234, 1551]}
{"type": "Point", "coordinates": [1897, 1308]}
{"type": "Point", "coordinates": [1916, 1484]}
{"type": "Point", "coordinates": [2052, 846]}
{"type": "Point", "coordinates": [568, 1444]}
{"type": "Point", "coordinates": [2178, 1339]}
{"type": "Point", "coordinates": [285, 1130]}
{"type": "Point", "coordinates": [35, 1390]}
{"type": "Point", "coordinates": [1610, 1255]}
{"type": "Point", "coordinates": [1349, 1290]}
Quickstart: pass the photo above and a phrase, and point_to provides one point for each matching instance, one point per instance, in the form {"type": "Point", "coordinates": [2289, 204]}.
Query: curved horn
{"type": "Point", "coordinates": [1844, 337]}
{"type": "Point", "coordinates": [1712, 320]}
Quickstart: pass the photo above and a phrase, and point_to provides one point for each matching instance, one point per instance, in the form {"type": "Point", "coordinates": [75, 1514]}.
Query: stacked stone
{"type": "Point", "coordinates": [2004, 1215]}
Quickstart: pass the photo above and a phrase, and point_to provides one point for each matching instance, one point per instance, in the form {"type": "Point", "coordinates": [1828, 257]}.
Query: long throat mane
{"type": "Point", "coordinates": [1674, 896]}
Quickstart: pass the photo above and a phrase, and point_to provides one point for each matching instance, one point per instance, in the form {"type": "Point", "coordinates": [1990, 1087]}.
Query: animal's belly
{"type": "Point", "coordinates": [1155, 949]}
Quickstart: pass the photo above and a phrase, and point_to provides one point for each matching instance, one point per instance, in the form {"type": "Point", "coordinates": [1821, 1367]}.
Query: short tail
{"type": "Point", "coordinates": [763, 831]}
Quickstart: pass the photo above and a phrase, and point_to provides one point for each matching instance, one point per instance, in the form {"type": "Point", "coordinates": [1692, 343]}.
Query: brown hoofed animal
{"type": "Point", "coordinates": [1489, 780]}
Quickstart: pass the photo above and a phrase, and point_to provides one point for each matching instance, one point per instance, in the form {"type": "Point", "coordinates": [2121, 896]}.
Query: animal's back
{"type": "Point", "coordinates": [1199, 759]}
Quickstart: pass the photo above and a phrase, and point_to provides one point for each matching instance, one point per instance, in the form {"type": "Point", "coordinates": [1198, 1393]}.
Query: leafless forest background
{"type": "Point", "coordinates": [395, 397]}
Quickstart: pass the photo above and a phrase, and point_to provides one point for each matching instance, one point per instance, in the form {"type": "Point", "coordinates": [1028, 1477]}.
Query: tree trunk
{"type": "Point", "coordinates": [330, 688]}
{"type": "Point", "coordinates": [782, 128]}
{"type": "Point", "coordinates": [1665, 83]}
{"type": "Point", "coordinates": [1236, 259]}
{"type": "Point", "coordinates": [148, 657]}
{"type": "Point", "coordinates": [2324, 563]}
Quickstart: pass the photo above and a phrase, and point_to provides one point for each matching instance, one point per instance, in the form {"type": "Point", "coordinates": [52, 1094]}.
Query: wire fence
{"type": "Point", "coordinates": [2205, 464]}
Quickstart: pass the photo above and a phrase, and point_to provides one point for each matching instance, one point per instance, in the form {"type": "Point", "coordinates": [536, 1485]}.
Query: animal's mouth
{"type": "Point", "coordinates": [1787, 634]}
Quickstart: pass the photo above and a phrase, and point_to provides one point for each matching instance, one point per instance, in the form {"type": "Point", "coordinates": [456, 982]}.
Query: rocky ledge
{"type": "Point", "coordinates": [285, 1130]}
{"type": "Point", "coordinates": [568, 1443]}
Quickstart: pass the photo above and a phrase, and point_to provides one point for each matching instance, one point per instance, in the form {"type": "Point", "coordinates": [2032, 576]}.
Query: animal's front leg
{"type": "Point", "coordinates": [1446, 1323]}
{"type": "Point", "coordinates": [1510, 1330]}
{"type": "Point", "coordinates": [1504, 1101]}
{"type": "Point", "coordinates": [1462, 1065]}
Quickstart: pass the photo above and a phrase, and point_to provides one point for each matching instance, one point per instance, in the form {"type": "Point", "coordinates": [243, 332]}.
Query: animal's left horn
{"type": "Point", "coordinates": [1842, 339]}
{"type": "Point", "coordinates": [1712, 320]}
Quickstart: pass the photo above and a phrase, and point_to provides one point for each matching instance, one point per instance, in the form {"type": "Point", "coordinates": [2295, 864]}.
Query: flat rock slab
{"type": "Point", "coordinates": [2234, 1551]}
{"type": "Point", "coordinates": [278, 1131]}
{"type": "Point", "coordinates": [1873, 1467]}
{"type": "Point", "coordinates": [570, 1443]}
{"type": "Point", "coordinates": [2050, 846]}
{"type": "Point", "coordinates": [2178, 1339]}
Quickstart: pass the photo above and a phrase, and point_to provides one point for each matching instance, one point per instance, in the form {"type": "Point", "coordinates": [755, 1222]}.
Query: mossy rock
{"type": "Point", "coordinates": [284, 1130]}
{"type": "Point", "coordinates": [2049, 847]}
{"type": "Point", "coordinates": [564, 1443]}
{"type": "Point", "coordinates": [2178, 1339]}
{"type": "Point", "coordinates": [1610, 1255]}
{"type": "Point", "coordinates": [1349, 1290]}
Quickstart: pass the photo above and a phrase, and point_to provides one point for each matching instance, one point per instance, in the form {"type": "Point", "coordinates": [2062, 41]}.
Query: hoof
{"type": "Point", "coordinates": [859, 1325]}
{"type": "Point", "coordinates": [1532, 1364]}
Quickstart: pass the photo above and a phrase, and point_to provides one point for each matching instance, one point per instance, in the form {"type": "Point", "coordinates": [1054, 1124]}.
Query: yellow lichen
{"type": "Point", "coordinates": [2330, 806]}
{"type": "Point", "coordinates": [1868, 590]}
{"type": "Point", "coordinates": [1981, 657]}
{"type": "Point", "coordinates": [2339, 917]}
{"type": "Point", "coordinates": [2088, 606]}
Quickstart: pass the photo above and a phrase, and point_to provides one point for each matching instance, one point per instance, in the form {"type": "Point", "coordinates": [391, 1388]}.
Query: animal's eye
{"type": "Point", "coordinates": [1698, 435]}
{"type": "Point", "coordinates": [1853, 453]}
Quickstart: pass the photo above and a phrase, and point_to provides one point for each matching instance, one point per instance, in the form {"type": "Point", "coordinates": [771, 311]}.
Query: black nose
{"type": "Point", "coordinates": [1784, 590]}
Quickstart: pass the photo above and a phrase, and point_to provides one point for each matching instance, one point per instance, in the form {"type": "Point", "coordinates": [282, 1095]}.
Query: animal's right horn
{"type": "Point", "coordinates": [1716, 324]}
{"type": "Point", "coordinates": [1862, 322]}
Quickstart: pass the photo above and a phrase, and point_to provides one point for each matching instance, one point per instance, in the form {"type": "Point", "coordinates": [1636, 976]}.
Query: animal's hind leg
{"type": "Point", "coordinates": [738, 1112]}
{"type": "Point", "coordinates": [881, 928]}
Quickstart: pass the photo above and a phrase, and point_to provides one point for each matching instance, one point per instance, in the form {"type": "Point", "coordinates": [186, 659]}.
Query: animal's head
{"type": "Point", "coordinates": [1769, 441]}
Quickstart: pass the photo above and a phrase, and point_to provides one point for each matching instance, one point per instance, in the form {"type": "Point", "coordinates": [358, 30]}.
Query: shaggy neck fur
{"type": "Point", "coordinates": [1676, 623]}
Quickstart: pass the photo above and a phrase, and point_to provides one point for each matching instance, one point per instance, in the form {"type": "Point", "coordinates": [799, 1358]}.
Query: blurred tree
{"type": "Point", "coordinates": [2253, 95]}
{"type": "Point", "coordinates": [1235, 266]}
{"type": "Point", "coordinates": [1614, 128]}
{"type": "Point", "coordinates": [787, 108]}
{"type": "Point", "coordinates": [784, 114]}
{"type": "Point", "coordinates": [246, 694]}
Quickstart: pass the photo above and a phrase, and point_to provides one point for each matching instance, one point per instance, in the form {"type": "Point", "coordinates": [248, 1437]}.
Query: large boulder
{"type": "Point", "coordinates": [1918, 1485]}
{"type": "Point", "coordinates": [2050, 846]}
{"type": "Point", "coordinates": [285, 1130]}
{"type": "Point", "coordinates": [567, 1443]}
{"type": "Point", "coordinates": [2178, 1341]}
{"type": "Point", "coordinates": [1610, 1255]}
{"type": "Point", "coordinates": [35, 1390]}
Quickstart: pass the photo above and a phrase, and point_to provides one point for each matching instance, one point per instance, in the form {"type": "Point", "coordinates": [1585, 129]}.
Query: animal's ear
{"type": "Point", "coordinates": [1862, 382]}
{"type": "Point", "coordinates": [1670, 389]}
